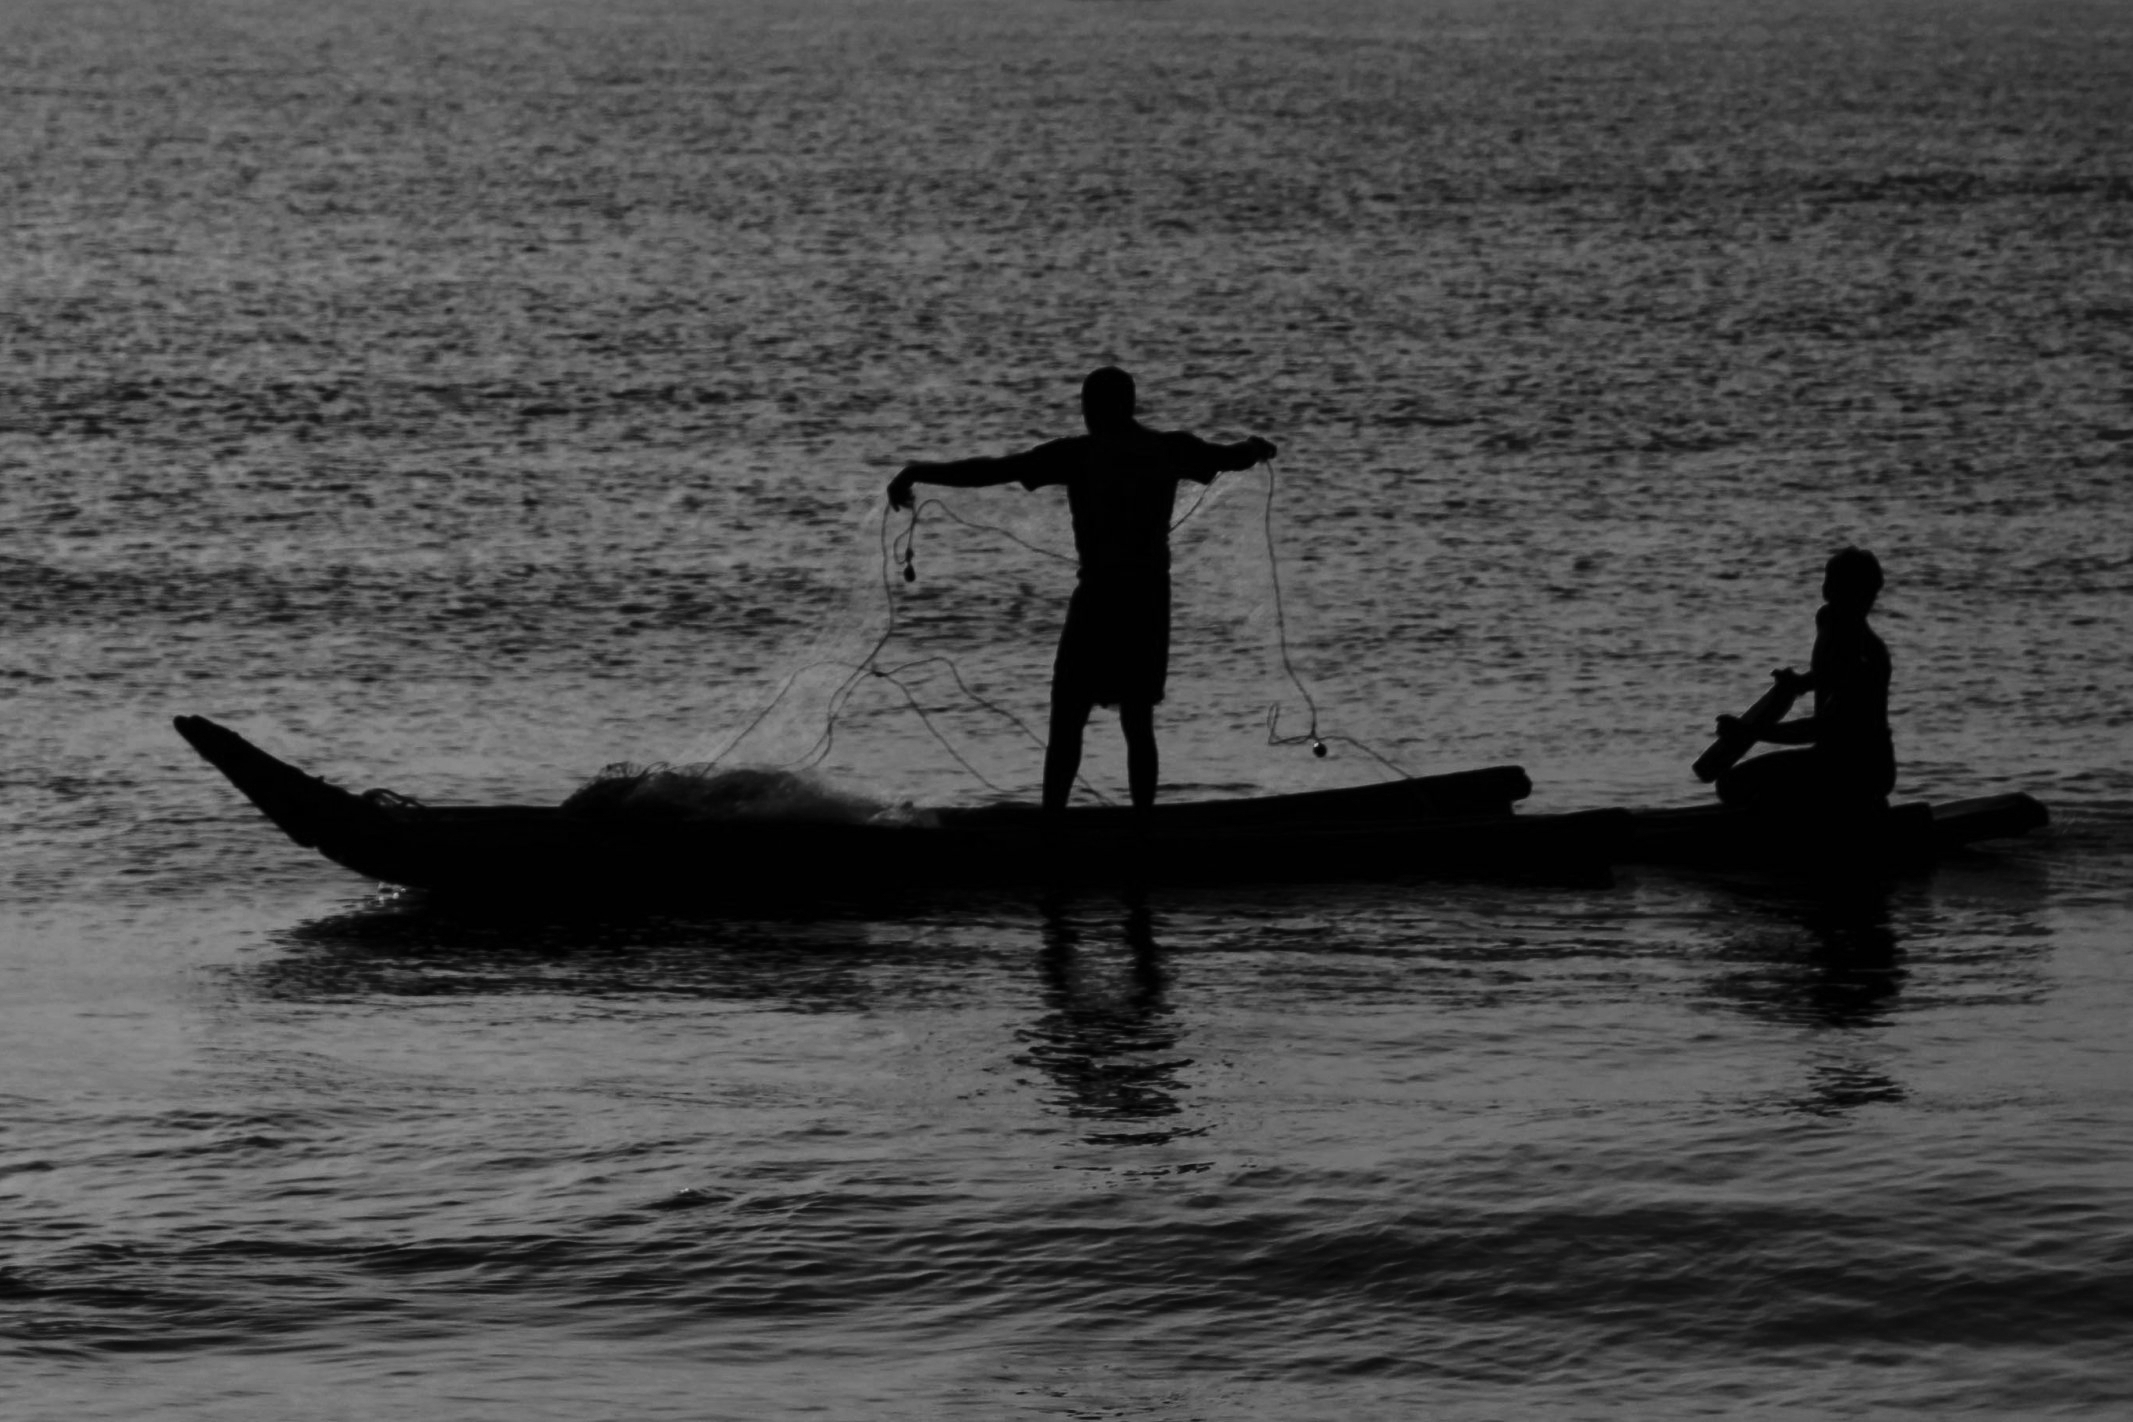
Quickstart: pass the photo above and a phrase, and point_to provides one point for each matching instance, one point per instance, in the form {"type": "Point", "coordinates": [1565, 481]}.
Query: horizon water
{"type": "Point", "coordinates": [463, 397]}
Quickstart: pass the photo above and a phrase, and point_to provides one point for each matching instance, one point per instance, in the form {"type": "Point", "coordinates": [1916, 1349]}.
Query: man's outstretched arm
{"type": "Point", "coordinates": [1229, 458]}
{"type": "Point", "coordinates": [956, 474]}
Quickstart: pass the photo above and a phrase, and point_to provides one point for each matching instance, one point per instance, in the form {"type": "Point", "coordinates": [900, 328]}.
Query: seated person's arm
{"type": "Point", "coordinates": [1839, 705]}
{"type": "Point", "coordinates": [1802, 732]}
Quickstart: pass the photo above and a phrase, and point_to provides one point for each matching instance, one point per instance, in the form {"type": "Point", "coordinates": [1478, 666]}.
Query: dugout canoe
{"type": "Point", "coordinates": [1447, 825]}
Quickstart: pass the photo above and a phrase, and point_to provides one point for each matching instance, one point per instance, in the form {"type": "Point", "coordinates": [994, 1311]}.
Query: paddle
{"type": "Point", "coordinates": [1769, 708]}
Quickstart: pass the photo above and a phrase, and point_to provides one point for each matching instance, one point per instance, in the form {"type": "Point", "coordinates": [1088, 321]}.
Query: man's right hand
{"type": "Point", "coordinates": [900, 488]}
{"type": "Point", "coordinates": [1262, 449]}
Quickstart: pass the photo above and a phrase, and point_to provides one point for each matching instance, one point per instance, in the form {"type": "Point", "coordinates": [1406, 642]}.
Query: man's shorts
{"type": "Point", "coordinates": [1116, 647]}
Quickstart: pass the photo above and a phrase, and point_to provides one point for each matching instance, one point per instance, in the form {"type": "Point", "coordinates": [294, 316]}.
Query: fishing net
{"type": "Point", "coordinates": [923, 652]}
{"type": "Point", "coordinates": [712, 792]}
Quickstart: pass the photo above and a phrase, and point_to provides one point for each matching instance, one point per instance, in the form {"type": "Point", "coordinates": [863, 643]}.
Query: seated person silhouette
{"type": "Point", "coordinates": [1849, 760]}
{"type": "Point", "coordinates": [1121, 480]}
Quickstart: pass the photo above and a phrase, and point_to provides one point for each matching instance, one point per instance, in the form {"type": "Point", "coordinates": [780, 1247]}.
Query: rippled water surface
{"type": "Point", "coordinates": [459, 397]}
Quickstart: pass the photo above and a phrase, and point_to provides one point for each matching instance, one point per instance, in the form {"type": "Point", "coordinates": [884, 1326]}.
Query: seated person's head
{"type": "Point", "coordinates": [1107, 399]}
{"type": "Point", "coordinates": [1852, 580]}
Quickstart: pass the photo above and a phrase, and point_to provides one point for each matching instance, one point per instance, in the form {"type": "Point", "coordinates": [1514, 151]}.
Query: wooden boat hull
{"type": "Point", "coordinates": [1448, 825]}
{"type": "Point", "coordinates": [1902, 837]}
{"type": "Point", "coordinates": [1453, 825]}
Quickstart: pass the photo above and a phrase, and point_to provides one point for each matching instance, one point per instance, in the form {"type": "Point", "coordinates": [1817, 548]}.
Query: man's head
{"type": "Point", "coordinates": [1107, 399]}
{"type": "Point", "coordinates": [1852, 580]}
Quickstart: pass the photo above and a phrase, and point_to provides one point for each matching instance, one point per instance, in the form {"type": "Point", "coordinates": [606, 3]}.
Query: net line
{"type": "Point", "coordinates": [1311, 736]}
{"type": "Point", "coordinates": [898, 550]}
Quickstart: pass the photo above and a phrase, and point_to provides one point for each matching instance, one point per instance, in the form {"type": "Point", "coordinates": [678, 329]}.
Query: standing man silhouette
{"type": "Point", "coordinates": [1122, 481]}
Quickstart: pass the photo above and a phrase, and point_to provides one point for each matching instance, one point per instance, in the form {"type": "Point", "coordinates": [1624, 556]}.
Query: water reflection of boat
{"type": "Point", "coordinates": [804, 961]}
{"type": "Point", "coordinates": [1440, 825]}
{"type": "Point", "coordinates": [1829, 963]}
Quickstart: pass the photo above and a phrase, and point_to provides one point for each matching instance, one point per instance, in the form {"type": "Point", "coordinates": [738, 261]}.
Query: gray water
{"type": "Point", "coordinates": [460, 397]}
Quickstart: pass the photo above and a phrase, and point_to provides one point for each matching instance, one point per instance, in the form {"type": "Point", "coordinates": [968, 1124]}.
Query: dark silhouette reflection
{"type": "Point", "coordinates": [1825, 959]}
{"type": "Point", "coordinates": [1106, 1037]}
{"type": "Point", "coordinates": [1830, 962]}
{"type": "Point", "coordinates": [813, 963]}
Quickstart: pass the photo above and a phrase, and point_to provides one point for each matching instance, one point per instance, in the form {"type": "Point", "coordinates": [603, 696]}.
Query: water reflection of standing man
{"type": "Point", "coordinates": [1122, 481]}
{"type": "Point", "coordinates": [1109, 1027]}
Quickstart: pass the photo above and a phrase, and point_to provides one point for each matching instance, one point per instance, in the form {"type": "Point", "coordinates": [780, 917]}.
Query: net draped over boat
{"type": "Point", "coordinates": [712, 792]}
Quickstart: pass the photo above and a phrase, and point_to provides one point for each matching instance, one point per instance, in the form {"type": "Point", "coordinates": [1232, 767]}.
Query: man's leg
{"type": "Point", "coordinates": [1780, 780]}
{"type": "Point", "coordinates": [1062, 756]}
{"type": "Point", "coordinates": [1138, 720]}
